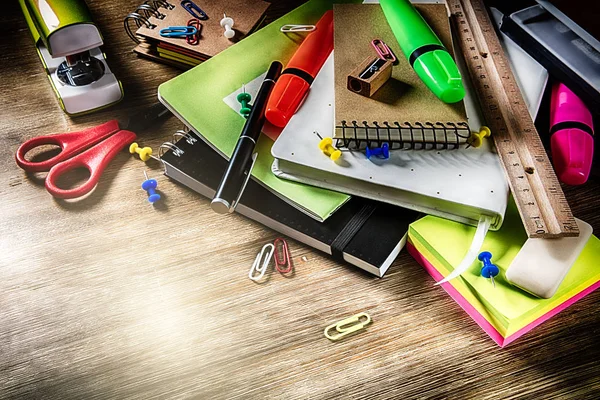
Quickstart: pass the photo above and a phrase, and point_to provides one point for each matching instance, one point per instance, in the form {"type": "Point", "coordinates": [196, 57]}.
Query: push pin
{"type": "Point", "coordinates": [488, 270]}
{"type": "Point", "coordinates": [227, 23]}
{"type": "Point", "coordinates": [326, 146]}
{"type": "Point", "coordinates": [381, 152]}
{"type": "Point", "coordinates": [149, 186]}
{"type": "Point", "coordinates": [144, 152]}
{"type": "Point", "coordinates": [476, 138]}
{"type": "Point", "coordinates": [244, 99]}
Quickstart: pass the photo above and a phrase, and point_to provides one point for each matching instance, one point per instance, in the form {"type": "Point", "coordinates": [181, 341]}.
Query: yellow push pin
{"type": "Point", "coordinates": [326, 146]}
{"type": "Point", "coordinates": [144, 152]}
{"type": "Point", "coordinates": [476, 138]}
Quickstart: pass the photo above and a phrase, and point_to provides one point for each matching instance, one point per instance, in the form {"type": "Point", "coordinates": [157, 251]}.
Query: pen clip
{"type": "Point", "coordinates": [235, 203]}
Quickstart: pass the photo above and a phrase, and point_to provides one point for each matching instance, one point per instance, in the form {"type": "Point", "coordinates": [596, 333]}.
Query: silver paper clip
{"type": "Point", "coordinates": [256, 266]}
{"type": "Point", "coordinates": [297, 28]}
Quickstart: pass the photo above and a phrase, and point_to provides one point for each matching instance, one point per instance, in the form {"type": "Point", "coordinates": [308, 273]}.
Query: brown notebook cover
{"type": "Point", "coordinates": [246, 14]}
{"type": "Point", "coordinates": [403, 101]}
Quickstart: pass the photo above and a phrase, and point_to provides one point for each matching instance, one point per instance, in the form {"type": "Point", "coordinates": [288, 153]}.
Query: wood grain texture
{"type": "Point", "coordinates": [111, 298]}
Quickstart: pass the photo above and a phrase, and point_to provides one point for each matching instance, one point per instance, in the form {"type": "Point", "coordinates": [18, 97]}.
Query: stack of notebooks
{"type": "Point", "coordinates": [469, 182]}
{"type": "Point", "coordinates": [152, 16]}
{"type": "Point", "coordinates": [301, 193]}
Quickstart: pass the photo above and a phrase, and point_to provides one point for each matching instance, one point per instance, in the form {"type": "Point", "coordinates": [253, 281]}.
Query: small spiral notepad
{"type": "Point", "coordinates": [143, 26]}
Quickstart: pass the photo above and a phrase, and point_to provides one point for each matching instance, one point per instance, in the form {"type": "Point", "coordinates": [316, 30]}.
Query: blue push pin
{"type": "Point", "coordinates": [381, 152]}
{"type": "Point", "coordinates": [149, 186]}
{"type": "Point", "coordinates": [488, 270]}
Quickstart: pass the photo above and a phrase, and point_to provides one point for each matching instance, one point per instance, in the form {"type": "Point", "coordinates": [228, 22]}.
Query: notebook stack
{"type": "Point", "coordinates": [359, 208]}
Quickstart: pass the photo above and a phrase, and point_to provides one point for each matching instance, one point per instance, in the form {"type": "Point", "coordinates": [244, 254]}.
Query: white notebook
{"type": "Point", "coordinates": [461, 185]}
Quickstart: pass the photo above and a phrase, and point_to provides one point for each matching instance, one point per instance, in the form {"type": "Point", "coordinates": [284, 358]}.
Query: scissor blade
{"type": "Point", "coordinates": [146, 118]}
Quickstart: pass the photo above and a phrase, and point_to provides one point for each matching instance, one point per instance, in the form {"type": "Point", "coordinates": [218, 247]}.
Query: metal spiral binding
{"type": "Point", "coordinates": [142, 14]}
{"type": "Point", "coordinates": [404, 135]}
{"type": "Point", "coordinates": [187, 135]}
{"type": "Point", "coordinates": [170, 146]}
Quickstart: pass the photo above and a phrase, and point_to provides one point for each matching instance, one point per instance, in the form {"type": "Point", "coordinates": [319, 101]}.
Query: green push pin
{"type": "Point", "coordinates": [244, 98]}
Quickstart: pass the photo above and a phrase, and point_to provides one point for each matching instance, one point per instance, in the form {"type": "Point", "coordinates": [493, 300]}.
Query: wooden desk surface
{"type": "Point", "coordinates": [112, 298]}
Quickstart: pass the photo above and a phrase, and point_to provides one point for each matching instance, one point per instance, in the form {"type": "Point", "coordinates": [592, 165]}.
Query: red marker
{"type": "Point", "coordinates": [296, 78]}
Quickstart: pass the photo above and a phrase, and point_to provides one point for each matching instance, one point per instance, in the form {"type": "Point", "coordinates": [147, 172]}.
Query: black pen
{"type": "Point", "coordinates": [242, 160]}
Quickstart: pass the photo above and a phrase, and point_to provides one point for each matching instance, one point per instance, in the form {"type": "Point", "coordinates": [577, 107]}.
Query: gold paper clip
{"type": "Point", "coordinates": [348, 326]}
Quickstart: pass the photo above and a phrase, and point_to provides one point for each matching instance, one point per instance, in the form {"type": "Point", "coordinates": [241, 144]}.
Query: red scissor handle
{"type": "Point", "coordinates": [71, 143]}
{"type": "Point", "coordinates": [94, 160]}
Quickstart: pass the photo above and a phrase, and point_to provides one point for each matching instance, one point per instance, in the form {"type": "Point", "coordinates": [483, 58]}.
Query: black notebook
{"type": "Point", "coordinates": [364, 233]}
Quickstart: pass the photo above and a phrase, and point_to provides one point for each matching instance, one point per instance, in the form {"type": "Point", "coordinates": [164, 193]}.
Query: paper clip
{"type": "Point", "coordinates": [283, 264]}
{"type": "Point", "coordinates": [383, 51]}
{"type": "Point", "coordinates": [194, 10]}
{"type": "Point", "coordinates": [348, 326]}
{"type": "Point", "coordinates": [261, 269]}
{"type": "Point", "coordinates": [297, 28]}
{"type": "Point", "coordinates": [178, 31]}
{"type": "Point", "coordinates": [194, 39]}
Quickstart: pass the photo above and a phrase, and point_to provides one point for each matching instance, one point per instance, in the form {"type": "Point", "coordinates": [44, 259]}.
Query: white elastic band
{"type": "Point", "coordinates": [482, 229]}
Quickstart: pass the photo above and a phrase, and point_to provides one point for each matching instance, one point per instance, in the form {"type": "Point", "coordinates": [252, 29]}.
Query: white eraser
{"type": "Point", "coordinates": [542, 264]}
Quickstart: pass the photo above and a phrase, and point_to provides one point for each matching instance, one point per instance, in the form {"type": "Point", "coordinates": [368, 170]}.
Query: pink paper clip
{"type": "Point", "coordinates": [383, 51]}
{"type": "Point", "coordinates": [283, 264]}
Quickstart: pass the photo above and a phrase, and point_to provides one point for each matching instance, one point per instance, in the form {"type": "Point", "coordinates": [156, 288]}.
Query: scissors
{"type": "Point", "coordinates": [91, 148]}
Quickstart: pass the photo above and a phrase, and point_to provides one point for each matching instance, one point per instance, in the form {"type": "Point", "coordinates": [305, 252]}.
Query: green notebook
{"type": "Point", "coordinates": [196, 97]}
{"type": "Point", "coordinates": [504, 311]}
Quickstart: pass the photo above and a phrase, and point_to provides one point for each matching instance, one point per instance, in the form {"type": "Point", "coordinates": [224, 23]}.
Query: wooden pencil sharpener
{"type": "Point", "coordinates": [369, 76]}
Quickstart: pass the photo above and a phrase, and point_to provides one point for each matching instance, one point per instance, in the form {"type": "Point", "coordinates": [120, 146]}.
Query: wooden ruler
{"type": "Point", "coordinates": [536, 190]}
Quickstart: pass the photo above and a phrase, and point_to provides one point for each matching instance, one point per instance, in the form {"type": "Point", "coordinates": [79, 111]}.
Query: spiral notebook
{"type": "Point", "coordinates": [152, 16]}
{"type": "Point", "coordinates": [404, 112]}
{"type": "Point", "coordinates": [363, 233]}
{"type": "Point", "coordinates": [461, 184]}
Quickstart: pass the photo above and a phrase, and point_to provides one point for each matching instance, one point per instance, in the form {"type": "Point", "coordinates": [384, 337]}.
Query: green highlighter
{"type": "Point", "coordinates": [424, 50]}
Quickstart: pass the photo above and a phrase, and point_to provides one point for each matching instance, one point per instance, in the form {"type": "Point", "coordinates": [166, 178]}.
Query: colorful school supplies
{"type": "Point", "coordinates": [572, 136]}
{"type": "Point", "coordinates": [300, 72]}
{"type": "Point", "coordinates": [461, 184]}
{"type": "Point", "coordinates": [425, 52]}
{"type": "Point", "coordinates": [504, 312]}
{"type": "Point", "coordinates": [197, 97]}
{"type": "Point", "coordinates": [68, 43]}
{"type": "Point", "coordinates": [403, 112]}
{"type": "Point", "coordinates": [243, 157]}
{"type": "Point", "coordinates": [90, 148]}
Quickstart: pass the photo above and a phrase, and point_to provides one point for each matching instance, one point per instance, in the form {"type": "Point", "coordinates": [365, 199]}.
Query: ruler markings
{"type": "Point", "coordinates": [537, 192]}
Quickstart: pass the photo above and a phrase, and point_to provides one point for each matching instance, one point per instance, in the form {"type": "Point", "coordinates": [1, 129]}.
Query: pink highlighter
{"type": "Point", "coordinates": [572, 140]}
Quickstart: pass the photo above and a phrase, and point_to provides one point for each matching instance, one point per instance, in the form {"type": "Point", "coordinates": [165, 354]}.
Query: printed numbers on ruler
{"type": "Point", "coordinates": [537, 192]}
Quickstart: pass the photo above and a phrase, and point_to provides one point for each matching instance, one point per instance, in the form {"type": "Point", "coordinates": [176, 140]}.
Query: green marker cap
{"type": "Point", "coordinates": [439, 72]}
